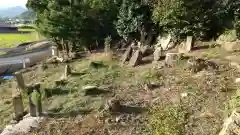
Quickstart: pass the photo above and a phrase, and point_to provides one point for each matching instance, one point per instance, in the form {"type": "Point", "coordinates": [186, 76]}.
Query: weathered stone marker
{"type": "Point", "coordinates": [67, 71]}
{"type": "Point", "coordinates": [24, 62]}
{"type": "Point", "coordinates": [186, 47]}
{"type": "Point", "coordinates": [17, 105]}
{"type": "Point", "coordinates": [35, 104]}
{"type": "Point", "coordinates": [20, 80]}
{"type": "Point", "coordinates": [172, 59]}
{"type": "Point", "coordinates": [127, 55]}
{"type": "Point", "coordinates": [136, 58]}
{"type": "Point", "coordinates": [158, 53]}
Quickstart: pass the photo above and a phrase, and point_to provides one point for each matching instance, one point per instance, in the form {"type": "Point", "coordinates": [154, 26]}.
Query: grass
{"type": "Point", "coordinates": [9, 40]}
{"type": "Point", "coordinates": [202, 108]}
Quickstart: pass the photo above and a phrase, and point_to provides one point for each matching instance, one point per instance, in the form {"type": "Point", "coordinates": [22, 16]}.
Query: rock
{"type": "Point", "coordinates": [231, 125]}
{"type": "Point", "coordinates": [136, 58]}
{"type": "Point", "coordinates": [195, 65]}
{"type": "Point", "coordinates": [236, 65]}
{"type": "Point", "coordinates": [24, 126]}
{"type": "Point", "coordinates": [237, 80]}
{"type": "Point", "coordinates": [186, 47]}
{"type": "Point", "coordinates": [158, 65]}
{"type": "Point", "coordinates": [113, 105]}
{"type": "Point", "coordinates": [231, 46]}
{"type": "Point", "coordinates": [158, 53]}
{"type": "Point", "coordinates": [151, 86]}
{"type": "Point", "coordinates": [127, 55]}
{"type": "Point", "coordinates": [60, 82]}
{"type": "Point", "coordinates": [79, 118]}
{"type": "Point", "coordinates": [231, 36]}
{"type": "Point", "coordinates": [172, 58]}
{"type": "Point", "coordinates": [146, 50]}
{"type": "Point", "coordinates": [119, 118]}
{"type": "Point", "coordinates": [90, 90]}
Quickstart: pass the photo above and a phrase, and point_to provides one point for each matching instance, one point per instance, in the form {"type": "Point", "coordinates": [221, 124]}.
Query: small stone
{"type": "Point", "coordinates": [136, 58]}
{"type": "Point", "coordinates": [118, 118]}
{"type": "Point", "coordinates": [79, 118]}
{"type": "Point", "coordinates": [90, 90]}
{"type": "Point", "coordinates": [113, 105]}
{"type": "Point", "coordinates": [158, 53]}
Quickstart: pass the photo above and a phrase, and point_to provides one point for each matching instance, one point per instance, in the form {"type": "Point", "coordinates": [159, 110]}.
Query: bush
{"type": "Point", "coordinates": [167, 120]}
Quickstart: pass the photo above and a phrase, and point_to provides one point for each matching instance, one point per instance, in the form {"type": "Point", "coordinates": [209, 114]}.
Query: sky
{"type": "Point", "coordinates": [12, 3]}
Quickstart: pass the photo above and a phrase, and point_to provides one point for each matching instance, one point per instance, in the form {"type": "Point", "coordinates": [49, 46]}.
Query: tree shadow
{"type": "Point", "coordinates": [132, 109]}
{"type": "Point", "coordinates": [67, 114]}
{"type": "Point", "coordinates": [96, 92]}
{"type": "Point", "coordinates": [49, 92]}
{"type": "Point", "coordinates": [77, 74]}
{"type": "Point", "coordinates": [203, 47]}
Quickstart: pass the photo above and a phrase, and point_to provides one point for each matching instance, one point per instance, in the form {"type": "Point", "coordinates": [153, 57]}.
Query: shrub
{"type": "Point", "coordinates": [167, 120]}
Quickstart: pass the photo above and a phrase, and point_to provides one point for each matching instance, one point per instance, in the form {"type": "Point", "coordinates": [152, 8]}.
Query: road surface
{"type": "Point", "coordinates": [11, 63]}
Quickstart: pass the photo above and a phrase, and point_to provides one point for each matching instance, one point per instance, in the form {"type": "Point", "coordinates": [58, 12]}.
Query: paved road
{"type": "Point", "coordinates": [13, 63]}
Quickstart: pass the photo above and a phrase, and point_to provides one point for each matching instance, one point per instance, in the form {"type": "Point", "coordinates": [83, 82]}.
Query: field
{"type": "Point", "coordinates": [181, 103]}
{"type": "Point", "coordinates": [9, 40]}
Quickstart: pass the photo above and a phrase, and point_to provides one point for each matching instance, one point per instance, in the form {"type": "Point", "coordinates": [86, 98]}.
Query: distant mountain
{"type": "Point", "coordinates": [11, 12]}
{"type": "Point", "coordinates": [28, 15]}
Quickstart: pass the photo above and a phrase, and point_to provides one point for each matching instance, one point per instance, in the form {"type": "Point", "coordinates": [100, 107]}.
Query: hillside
{"type": "Point", "coordinates": [29, 14]}
{"type": "Point", "coordinates": [11, 12]}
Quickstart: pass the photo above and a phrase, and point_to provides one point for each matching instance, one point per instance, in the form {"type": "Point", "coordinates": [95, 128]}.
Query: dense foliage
{"type": "Point", "coordinates": [86, 23]}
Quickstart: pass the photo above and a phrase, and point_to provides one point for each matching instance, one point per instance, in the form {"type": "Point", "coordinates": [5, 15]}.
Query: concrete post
{"type": "Point", "coordinates": [17, 105]}
{"type": "Point", "coordinates": [20, 80]}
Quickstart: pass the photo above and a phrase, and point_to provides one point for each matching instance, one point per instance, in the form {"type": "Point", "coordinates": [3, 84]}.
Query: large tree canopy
{"type": "Point", "coordinates": [76, 22]}
{"type": "Point", "coordinates": [85, 23]}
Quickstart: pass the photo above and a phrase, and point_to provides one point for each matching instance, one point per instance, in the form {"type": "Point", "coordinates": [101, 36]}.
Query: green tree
{"type": "Point", "coordinates": [199, 18]}
{"type": "Point", "coordinates": [134, 20]}
{"type": "Point", "coordinates": [76, 23]}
